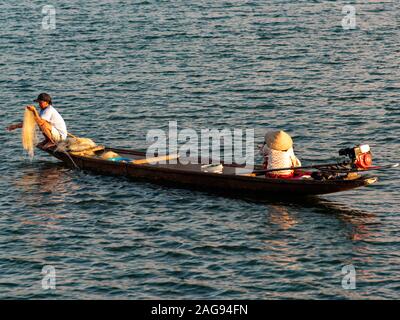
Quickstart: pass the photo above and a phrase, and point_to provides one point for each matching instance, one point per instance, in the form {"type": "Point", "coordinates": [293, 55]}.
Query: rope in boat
{"type": "Point", "coordinates": [73, 162]}
{"type": "Point", "coordinates": [62, 150]}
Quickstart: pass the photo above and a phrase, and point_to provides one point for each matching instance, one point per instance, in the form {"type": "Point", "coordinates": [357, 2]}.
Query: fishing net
{"type": "Point", "coordinates": [29, 133]}
{"type": "Point", "coordinates": [79, 146]}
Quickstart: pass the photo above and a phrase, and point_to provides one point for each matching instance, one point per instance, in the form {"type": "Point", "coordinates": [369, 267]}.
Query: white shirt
{"type": "Point", "coordinates": [52, 116]}
{"type": "Point", "coordinates": [280, 159]}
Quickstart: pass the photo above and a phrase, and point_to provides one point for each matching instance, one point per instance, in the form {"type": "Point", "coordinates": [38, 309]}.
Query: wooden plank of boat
{"type": "Point", "coordinates": [192, 176]}
{"type": "Point", "coordinates": [156, 159]}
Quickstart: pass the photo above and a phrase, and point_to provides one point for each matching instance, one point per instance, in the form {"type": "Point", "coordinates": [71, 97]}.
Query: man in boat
{"type": "Point", "coordinates": [278, 154]}
{"type": "Point", "coordinates": [49, 121]}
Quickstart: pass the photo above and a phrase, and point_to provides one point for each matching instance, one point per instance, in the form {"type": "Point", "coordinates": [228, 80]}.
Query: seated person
{"type": "Point", "coordinates": [278, 153]}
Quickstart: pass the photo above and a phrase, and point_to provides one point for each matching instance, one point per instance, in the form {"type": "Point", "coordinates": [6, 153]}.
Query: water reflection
{"type": "Point", "coordinates": [283, 212]}
{"type": "Point", "coordinates": [41, 188]}
{"type": "Point", "coordinates": [304, 239]}
{"type": "Point", "coordinates": [280, 215]}
{"type": "Point", "coordinates": [50, 183]}
{"type": "Point", "coordinates": [361, 222]}
{"type": "Point", "coordinates": [43, 178]}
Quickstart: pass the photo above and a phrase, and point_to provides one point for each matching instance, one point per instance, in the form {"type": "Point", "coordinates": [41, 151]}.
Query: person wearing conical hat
{"type": "Point", "coordinates": [278, 153]}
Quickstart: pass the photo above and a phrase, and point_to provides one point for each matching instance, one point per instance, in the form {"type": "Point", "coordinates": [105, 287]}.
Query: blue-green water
{"type": "Point", "coordinates": [117, 69]}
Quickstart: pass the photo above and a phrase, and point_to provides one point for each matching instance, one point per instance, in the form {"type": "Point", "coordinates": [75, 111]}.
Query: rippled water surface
{"type": "Point", "coordinates": [117, 69]}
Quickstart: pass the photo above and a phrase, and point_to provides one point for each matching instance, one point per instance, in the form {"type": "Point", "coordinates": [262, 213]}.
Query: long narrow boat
{"type": "Point", "coordinates": [192, 176]}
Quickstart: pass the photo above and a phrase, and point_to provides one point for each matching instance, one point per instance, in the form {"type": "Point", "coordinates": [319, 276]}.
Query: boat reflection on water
{"type": "Point", "coordinates": [359, 222]}
{"type": "Point", "coordinates": [43, 186]}
{"type": "Point", "coordinates": [52, 183]}
{"type": "Point", "coordinates": [43, 178]}
{"type": "Point", "coordinates": [280, 215]}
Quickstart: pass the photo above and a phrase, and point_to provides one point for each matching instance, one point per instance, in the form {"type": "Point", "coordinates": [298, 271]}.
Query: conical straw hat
{"type": "Point", "coordinates": [278, 140]}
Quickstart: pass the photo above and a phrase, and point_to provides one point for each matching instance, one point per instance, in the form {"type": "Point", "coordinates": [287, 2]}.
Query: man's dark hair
{"type": "Point", "coordinates": [44, 97]}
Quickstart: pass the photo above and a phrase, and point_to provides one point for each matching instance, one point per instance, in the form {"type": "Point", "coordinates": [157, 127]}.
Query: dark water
{"type": "Point", "coordinates": [117, 69]}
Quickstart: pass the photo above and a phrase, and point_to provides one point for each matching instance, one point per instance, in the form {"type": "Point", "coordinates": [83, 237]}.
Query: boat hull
{"type": "Point", "coordinates": [178, 176]}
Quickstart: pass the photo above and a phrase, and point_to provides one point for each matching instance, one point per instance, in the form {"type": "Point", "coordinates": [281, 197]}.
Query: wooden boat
{"type": "Point", "coordinates": [192, 176]}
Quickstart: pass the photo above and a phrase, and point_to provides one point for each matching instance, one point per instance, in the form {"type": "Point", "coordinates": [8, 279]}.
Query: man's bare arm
{"type": "Point", "coordinates": [38, 120]}
{"type": "Point", "coordinates": [14, 126]}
